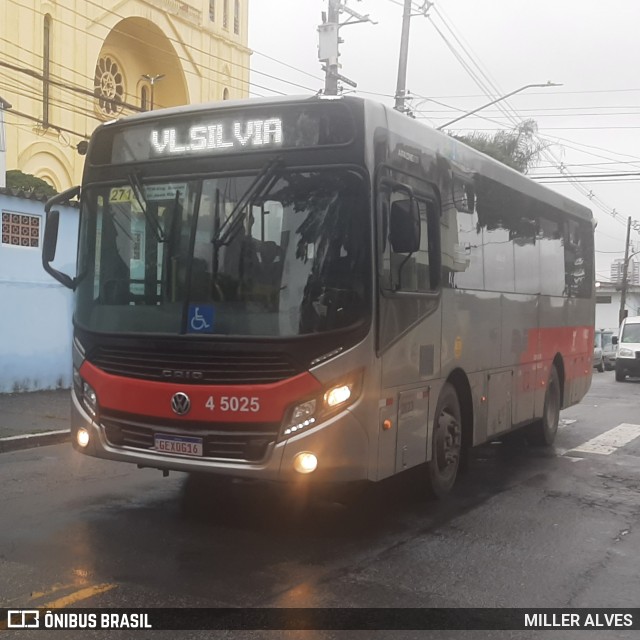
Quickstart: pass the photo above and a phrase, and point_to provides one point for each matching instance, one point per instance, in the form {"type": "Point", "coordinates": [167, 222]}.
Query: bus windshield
{"type": "Point", "coordinates": [242, 255]}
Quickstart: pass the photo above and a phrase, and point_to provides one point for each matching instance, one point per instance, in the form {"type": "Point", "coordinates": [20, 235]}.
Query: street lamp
{"type": "Point", "coordinates": [508, 95]}
{"type": "Point", "coordinates": [152, 81]}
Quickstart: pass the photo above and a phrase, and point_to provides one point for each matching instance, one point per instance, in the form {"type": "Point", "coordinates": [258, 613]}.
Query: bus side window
{"type": "Point", "coordinates": [402, 270]}
{"type": "Point", "coordinates": [577, 261]}
{"type": "Point", "coordinates": [552, 261]}
{"type": "Point", "coordinates": [468, 253]}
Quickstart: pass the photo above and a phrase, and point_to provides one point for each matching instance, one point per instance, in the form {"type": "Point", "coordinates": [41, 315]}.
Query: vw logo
{"type": "Point", "coordinates": [180, 403]}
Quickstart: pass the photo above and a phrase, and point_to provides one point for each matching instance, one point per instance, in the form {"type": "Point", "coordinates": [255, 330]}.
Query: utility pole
{"type": "Point", "coordinates": [401, 87]}
{"type": "Point", "coordinates": [329, 41]}
{"type": "Point", "coordinates": [625, 270]}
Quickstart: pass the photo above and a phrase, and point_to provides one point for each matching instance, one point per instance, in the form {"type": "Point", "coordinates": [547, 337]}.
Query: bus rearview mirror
{"type": "Point", "coordinates": [404, 226]}
{"type": "Point", "coordinates": [50, 236]}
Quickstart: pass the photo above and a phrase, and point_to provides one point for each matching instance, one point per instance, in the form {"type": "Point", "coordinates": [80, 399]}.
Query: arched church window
{"type": "Point", "coordinates": [144, 97]}
{"type": "Point", "coordinates": [225, 94]}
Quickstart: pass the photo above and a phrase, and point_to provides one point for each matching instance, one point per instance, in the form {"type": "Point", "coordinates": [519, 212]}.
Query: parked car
{"type": "Point", "coordinates": [628, 353]}
{"type": "Point", "coordinates": [598, 357]}
{"type": "Point", "coordinates": [604, 351]}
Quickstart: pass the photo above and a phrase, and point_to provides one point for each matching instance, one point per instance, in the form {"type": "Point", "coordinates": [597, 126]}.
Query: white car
{"type": "Point", "coordinates": [628, 353]}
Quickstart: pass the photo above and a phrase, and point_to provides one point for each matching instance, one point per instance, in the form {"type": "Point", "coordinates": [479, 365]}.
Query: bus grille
{"type": "Point", "coordinates": [246, 442]}
{"type": "Point", "coordinates": [226, 367]}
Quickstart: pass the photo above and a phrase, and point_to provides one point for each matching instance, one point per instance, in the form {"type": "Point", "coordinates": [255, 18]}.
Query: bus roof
{"type": "Point", "coordinates": [462, 156]}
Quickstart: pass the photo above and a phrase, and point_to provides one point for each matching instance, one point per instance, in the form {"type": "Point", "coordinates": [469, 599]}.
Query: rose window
{"type": "Point", "coordinates": [109, 86]}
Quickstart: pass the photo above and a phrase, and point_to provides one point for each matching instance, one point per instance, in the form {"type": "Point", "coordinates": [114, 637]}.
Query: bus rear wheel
{"type": "Point", "coordinates": [543, 431]}
{"type": "Point", "coordinates": [446, 443]}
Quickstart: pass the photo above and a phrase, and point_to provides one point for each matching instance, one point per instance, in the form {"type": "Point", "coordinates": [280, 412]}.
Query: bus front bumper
{"type": "Point", "coordinates": [340, 444]}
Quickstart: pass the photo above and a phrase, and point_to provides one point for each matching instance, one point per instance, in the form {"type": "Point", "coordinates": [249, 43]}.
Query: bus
{"type": "Point", "coordinates": [317, 290]}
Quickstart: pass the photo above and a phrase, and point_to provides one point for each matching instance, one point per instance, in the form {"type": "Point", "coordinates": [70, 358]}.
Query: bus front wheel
{"type": "Point", "coordinates": [543, 431]}
{"type": "Point", "coordinates": [446, 443]}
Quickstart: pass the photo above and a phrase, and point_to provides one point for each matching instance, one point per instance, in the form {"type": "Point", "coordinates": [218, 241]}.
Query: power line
{"type": "Point", "coordinates": [149, 45]}
{"type": "Point", "coordinates": [593, 175]}
{"type": "Point", "coordinates": [512, 117]}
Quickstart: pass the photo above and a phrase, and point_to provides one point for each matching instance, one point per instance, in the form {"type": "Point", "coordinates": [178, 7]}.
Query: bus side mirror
{"type": "Point", "coordinates": [50, 236]}
{"type": "Point", "coordinates": [50, 241]}
{"type": "Point", "coordinates": [614, 340]}
{"type": "Point", "coordinates": [404, 226]}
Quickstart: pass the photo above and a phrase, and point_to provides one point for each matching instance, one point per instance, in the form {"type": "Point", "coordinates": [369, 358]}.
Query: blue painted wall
{"type": "Point", "coordinates": [36, 311]}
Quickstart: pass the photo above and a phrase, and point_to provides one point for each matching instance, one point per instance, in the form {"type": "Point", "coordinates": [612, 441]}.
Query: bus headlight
{"type": "Point", "coordinates": [77, 382]}
{"type": "Point", "coordinates": [302, 416]}
{"type": "Point", "coordinates": [335, 398]}
{"type": "Point", "coordinates": [337, 395]}
{"type": "Point", "coordinates": [90, 399]}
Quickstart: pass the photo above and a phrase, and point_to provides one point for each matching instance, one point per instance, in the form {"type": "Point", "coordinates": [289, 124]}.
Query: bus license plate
{"type": "Point", "coordinates": [183, 445]}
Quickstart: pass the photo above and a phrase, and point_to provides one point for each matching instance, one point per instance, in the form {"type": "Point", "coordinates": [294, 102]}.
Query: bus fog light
{"type": "Point", "coordinates": [305, 462]}
{"type": "Point", "coordinates": [82, 437]}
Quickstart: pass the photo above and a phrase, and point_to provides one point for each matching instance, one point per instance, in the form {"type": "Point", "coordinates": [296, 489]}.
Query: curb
{"type": "Point", "coordinates": [31, 440]}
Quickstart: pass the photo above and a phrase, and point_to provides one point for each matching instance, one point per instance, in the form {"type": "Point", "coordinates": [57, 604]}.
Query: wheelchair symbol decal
{"type": "Point", "coordinates": [200, 318]}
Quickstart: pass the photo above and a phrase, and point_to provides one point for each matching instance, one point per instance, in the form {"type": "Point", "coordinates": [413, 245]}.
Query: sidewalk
{"type": "Point", "coordinates": [34, 419]}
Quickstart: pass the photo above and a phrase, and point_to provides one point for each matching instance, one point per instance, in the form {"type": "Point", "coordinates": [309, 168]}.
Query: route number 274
{"type": "Point", "coordinates": [242, 404]}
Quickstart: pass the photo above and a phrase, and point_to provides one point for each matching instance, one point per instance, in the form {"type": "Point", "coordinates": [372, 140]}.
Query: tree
{"type": "Point", "coordinates": [517, 148]}
{"type": "Point", "coordinates": [16, 179]}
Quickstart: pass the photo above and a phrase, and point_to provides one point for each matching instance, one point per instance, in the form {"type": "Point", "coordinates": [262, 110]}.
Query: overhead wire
{"type": "Point", "coordinates": [150, 45]}
{"type": "Point", "coordinates": [513, 117]}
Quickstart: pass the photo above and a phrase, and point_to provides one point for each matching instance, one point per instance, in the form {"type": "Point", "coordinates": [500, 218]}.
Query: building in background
{"type": "Point", "coordinates": [35, 322]}
{"type": "Point", "coordinates": [68, 65]}
{"type": "Point", "coordinates": [608, 303]}
{"type": "Point", "coordinates": [633, 271]}
{"type": "Point", "coordinates": [3, 147]}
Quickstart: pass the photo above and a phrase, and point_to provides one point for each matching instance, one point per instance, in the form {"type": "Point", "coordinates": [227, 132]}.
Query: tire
{"type": "Point", "coordinates": [543, 432]}
{"type": "Point", "coordinates": [620, 376]}
{"type": "Point", "coordinates": [600, 367]}
{"type": "Point", "coordinates": [446, 443]}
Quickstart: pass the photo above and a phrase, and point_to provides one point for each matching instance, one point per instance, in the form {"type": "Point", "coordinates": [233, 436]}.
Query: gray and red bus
{"type": "Point", "coordinates": [317, 289]}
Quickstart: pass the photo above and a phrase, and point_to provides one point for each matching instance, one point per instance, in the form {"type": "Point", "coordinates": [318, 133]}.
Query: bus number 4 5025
{"type": "Point", "coordinates": [235, 403]}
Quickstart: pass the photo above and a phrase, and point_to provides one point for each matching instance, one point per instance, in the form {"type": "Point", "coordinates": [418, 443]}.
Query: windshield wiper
{"type": "Point", "coordinates": [138, 192]}
{"type": "Point", "coordinates": [266, 178]}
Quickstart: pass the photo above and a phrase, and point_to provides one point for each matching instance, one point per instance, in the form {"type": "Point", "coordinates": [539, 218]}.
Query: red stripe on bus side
{"type": "Point", "coordinates": [149, 398]}
{"type": "Point", "coordinates": [574, 344]}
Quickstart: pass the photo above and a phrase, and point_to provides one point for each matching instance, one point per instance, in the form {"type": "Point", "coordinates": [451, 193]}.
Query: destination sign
{"type": "Point", "coordinates": [221, 131]}
{"type": "Point", "coordinates": [206, 137]}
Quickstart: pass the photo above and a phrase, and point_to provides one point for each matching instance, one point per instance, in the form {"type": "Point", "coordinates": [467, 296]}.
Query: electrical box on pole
{"type": "Point", "coordinates": [329, 43]}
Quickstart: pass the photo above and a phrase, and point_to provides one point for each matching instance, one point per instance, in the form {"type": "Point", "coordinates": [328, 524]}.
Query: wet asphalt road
{"type": "Point", "coordinates": [525, 528]}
